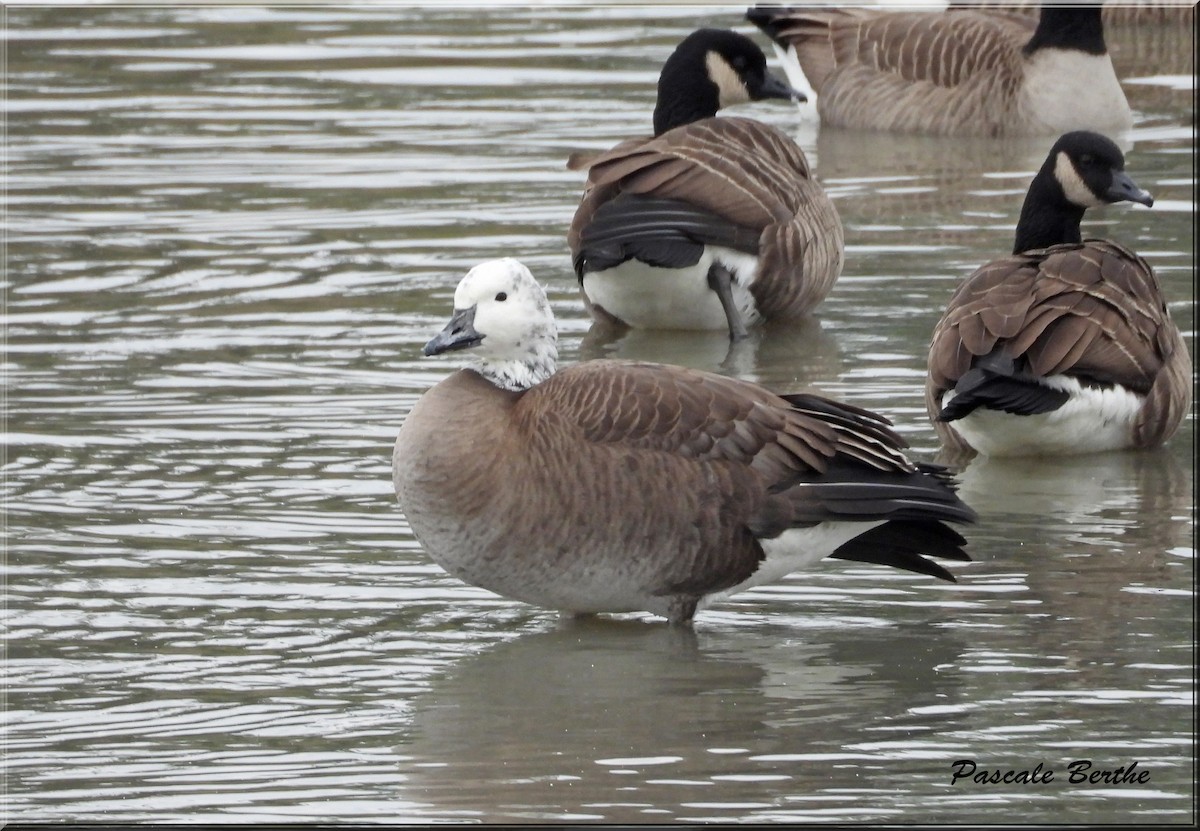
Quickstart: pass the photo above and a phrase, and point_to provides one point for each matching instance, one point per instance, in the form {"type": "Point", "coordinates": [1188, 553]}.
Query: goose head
{"type": "Point", "coordinates": [502, 314]}
{"type": "Point", "coordinates": [712, 69]}
{"type": "Point", "coordinates": [1083, 170]}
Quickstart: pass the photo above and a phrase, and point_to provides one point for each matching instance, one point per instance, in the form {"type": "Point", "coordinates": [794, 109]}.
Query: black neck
{"type": "Point", "coordinates": [677, 107]}
{"type": "Point", "coordinates": [1069, 27]}
{"type": "Point", "coordinates": [1047, 218]}
{"type": "Point", "coordinates": [685, 93]}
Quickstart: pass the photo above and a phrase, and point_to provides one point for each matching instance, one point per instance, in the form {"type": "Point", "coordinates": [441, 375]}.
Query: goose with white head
{"type": "Point", "coordinates": [497, 298]}
{"type": "Point", "coordinates": [614, 486]}
{"type": "Point", "coordinates": [714, 222]}
{"type": "Point", "coordinates": [1067, 346]}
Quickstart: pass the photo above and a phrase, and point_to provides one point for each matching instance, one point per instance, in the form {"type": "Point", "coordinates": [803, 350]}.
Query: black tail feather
{"type": "Point", "coordinates": [901, 543]}
{"type": "Point", "coordinates": [665, 233]}
{"type": "Point", "coordinates": [997, 382]}
{"type": "Point", "coordinates": [852, 492]}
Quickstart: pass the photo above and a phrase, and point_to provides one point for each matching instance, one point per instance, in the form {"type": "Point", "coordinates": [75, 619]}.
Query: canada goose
{"type": "Point", "coordinates": [1067, 345]}
{"type": "Point", "coordinates": [1123, 13]}
{"type": "Point", "coordinates": [957, 72]}
{"type": "Point", "coordinates": [712, 223]}
{"type": "Point", "coordinates": [619, 486]}
{"type": "Point", "coordinates": [1144, 37]}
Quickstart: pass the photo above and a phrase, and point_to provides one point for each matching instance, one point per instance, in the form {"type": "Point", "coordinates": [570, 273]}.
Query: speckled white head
{"type": "Point", "coordinates": [502, 314]}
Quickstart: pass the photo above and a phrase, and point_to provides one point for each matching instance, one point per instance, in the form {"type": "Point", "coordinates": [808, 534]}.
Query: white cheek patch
{"type": "Point", "coordinates": [730, 88]}
{"type": "Point", "coordinates": [1072, 184]}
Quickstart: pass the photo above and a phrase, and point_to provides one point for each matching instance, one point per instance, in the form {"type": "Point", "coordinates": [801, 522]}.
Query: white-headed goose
{"type": "Point", "coordinates": [712, 223]}
{"type": "Point", "coordinates": [615, 486]}
{"type": "Point", "coordinates": [1066, 346]}
{"type": "Point", "coordinates": [959, 72]}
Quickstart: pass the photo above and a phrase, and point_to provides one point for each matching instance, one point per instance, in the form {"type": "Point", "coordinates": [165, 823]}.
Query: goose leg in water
{"type": "Point", "coordinates": [681, 610]}
{"type": "Point", "coordinates": [719, 280]}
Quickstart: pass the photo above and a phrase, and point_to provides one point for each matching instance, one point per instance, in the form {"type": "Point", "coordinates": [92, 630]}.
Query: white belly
{"type": "Point", "coordinates": [796, 550]}
{"type": "Point", "coordinates": [1091, 421]}
{"type": "Point", "coordinates": [646, 297]}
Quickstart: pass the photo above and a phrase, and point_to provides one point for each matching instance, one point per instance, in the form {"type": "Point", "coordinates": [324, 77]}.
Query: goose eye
{"type": "Point", "coordinates": [501, 297]}
{"type": "Point", "coordinates": [1087, 158]}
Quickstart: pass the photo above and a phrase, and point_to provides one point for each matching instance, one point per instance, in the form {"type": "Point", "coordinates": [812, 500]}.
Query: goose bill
{"type": "Point", "coordinates": [772, 87]}
{"type": "Point", "coordinates": [1125, 189]}
{"type": "Point", "coordinates": [459, 334]}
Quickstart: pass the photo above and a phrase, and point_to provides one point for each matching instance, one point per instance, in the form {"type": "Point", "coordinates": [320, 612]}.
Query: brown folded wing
{"type": "Point", "coordinates": [725, 450]}
{"type": "Point", "coordinates": [708, 417]}
{"type": "Point", "coordinates": [954, 72]}
{"type": "Point", "coordinates": [942, 48]}
{"type": "Point", "coordinates": [1092, 310]}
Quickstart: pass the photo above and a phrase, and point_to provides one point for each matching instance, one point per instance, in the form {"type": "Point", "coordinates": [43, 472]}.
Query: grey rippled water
{"type": "Point", "coordinates": [228, 232]}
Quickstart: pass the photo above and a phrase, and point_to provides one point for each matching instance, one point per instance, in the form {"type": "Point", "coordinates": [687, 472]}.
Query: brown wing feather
{"type": "Point", "coordinates": [1170, 397]}
{"type": "Point", "coordinates": [1094, 310]}
{"type": "Point", "coordinates": [945, 49]}
{"type": "Point", "coordinates": [724, 445]}
{"type": "Point", "coordinates": [939, 72]}
{"type": "Point", "coordinates": [708, 417]}
{"type": "Point", "coordinates": [742, 170]}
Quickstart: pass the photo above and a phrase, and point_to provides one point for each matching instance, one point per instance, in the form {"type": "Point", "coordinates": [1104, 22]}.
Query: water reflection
{"type": "Point", "coordinates": [783, 357]}
{"type": "Point", "coordinates": [1095, 498]}
{"type": "Point", "coordinates": [941, 164]}
{"type": "Point", "coordinates": [1097, 565]}
{"type": "Point", "coordinates": [628, 721]}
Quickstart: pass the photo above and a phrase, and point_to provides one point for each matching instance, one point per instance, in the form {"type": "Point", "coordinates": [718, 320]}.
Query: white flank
{"type": "Point", "coordinates": [1067, 90]}
{"type": "Point", "coordinates": [1092, 420]}
{"type": "Point", "coordinates": [673, 298]}
{"type": "Point", "coordinates": [796, 550]}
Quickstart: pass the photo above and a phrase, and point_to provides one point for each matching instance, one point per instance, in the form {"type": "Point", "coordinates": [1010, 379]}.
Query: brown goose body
{"type": "Point", "coordinates": [958, 72]}
{"type": "Point", "coordinates": [1067, 345]}
{"type": "Point", "coordinates": [1090, 311]}
{"type": "Point", "coordinates": [616, 486]}
{"type": "Point", "coordinates": [748, 190]}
